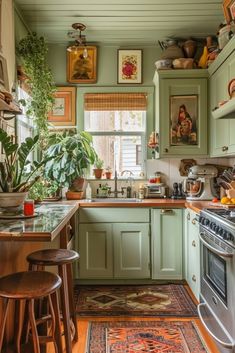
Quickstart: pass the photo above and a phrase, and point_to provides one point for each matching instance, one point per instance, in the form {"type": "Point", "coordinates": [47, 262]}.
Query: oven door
{"type": "Point", "coordinates": [217, 287]}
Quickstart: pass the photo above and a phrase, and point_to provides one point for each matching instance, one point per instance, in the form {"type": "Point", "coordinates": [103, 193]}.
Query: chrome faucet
{"type": "Point", "coordinates": [127, 171]}
{"type": "Point", "coordinates": [116, 191]}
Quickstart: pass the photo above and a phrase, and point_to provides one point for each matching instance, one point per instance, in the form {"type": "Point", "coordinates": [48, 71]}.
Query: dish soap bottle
{"type": "Point", "coordinates": [88, 192]}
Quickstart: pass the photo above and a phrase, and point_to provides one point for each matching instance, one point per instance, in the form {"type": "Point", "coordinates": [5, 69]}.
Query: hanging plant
{"type": "Point", "coordinates": [33, 51]}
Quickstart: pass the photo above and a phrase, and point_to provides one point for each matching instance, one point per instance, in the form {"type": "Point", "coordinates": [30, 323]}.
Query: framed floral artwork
{"type": "Point", "coordinates": [184, 120]}
{"type": "Point", "coordinates": [229, 10]}
{"type": "Point", "coordinates": [80, 68]}
{"type": "Point", "coordinates": [129, 66]}
{"type": "Point", "coordinates": [63, 112]}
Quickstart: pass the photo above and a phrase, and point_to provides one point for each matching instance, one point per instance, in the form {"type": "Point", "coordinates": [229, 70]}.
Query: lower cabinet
{"type": "Point", "coordinates": [167, 230]}
{"type": "Point", "coordinates": [115, 250]}
{"type": "Point", "coordinates": [192, 252]}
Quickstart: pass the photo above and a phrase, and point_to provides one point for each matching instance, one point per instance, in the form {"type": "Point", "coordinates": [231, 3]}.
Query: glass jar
{"type": "Point", "coordinates": [157, 177]}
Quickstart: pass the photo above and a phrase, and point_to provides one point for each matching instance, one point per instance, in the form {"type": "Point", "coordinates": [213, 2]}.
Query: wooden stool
{"type": "Point", "coordinates": [26, 287]}
{"type": "Point", "coordinates": [63, 259]}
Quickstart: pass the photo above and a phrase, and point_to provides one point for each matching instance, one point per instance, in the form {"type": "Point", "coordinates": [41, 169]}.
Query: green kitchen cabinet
{"type": "Point", "coordinates": [131, 250]}
{"type": "Point", "coordinates": [167, 244]}
{"type": "Point", "coordinates": [192, 251]}
{"type": "Point", "coordinates": [172, 89]}
{"type": "Point", "coordinates": [222, 137]}
{"type": "Point", "coordinates": [112, 249]}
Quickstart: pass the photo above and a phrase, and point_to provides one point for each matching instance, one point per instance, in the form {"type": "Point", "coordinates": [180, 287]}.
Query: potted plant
{"type": "Point", "coordinates": [33, 51]}
{"type": "Point", "coordinates": [17, 173]}
{"type": "Point", "coordinates": [72, 155]}
{"type": "Point", "coordinates": [98, 170]}
{"type": "Point", "coordinates": [108, 173]}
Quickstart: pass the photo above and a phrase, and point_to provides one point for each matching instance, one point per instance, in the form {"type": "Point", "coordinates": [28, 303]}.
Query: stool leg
{"type": "Point", "coordinates": [65, 307]}
{"type": "Point", "coordinates": [20, 310]}
{"type": "Point", "coordinates": [3, 324]}
{"type": "Point", "coordinates": [71, 300]}
{"type": "Point", "coordinates": [33, 325]}
{"type": "Point", "coordinates": [57, 333]}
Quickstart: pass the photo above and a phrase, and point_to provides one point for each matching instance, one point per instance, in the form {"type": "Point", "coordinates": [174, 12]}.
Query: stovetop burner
{"type": "Point", "coordinates": [224, 213]}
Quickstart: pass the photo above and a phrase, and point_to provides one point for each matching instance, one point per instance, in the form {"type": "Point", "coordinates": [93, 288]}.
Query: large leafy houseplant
{"type": "Point", "coordinates": [33, 51]}
{"type": "Point", "coordinates": [71, 156]}
{"type": "Point", "coordinates": [17, 172]}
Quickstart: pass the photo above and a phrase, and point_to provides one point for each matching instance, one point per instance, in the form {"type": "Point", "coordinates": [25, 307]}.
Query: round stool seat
{"type": "Point", "coordinates": [52, 257]}
{"type": "Point", "coordinates": [27, 285]}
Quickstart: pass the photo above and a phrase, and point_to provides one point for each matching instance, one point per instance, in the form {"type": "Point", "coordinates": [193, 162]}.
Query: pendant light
{"type": "Point", "coordinates": [80, 39]}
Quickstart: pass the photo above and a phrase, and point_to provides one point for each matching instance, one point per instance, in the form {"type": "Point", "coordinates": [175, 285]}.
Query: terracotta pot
{"type": "Point", "coordinates": [108, 175]}
{"type": "Point", "coordinates": [98, 173]}
{"type": "Point", "coordinates": [74, 195]}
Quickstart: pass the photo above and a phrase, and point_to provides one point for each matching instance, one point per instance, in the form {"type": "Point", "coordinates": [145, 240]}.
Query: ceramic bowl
{"type": "Point", "coordinates": [163, 64]}
{"type": "Point", "coordinates": [12, 199]}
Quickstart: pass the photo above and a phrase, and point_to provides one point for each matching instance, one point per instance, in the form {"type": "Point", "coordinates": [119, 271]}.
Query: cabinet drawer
{"type": "Point", "coordinates": [97, 215]}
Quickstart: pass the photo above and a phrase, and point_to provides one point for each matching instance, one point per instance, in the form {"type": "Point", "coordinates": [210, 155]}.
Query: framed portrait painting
{"type": "Point", "coordinates": [229, 10]}
{"type": "Point", "coordinates": [184, 120]}
{"type": "Point", "coordinates": [63, 111]}
{"type": "Point", "coordinates": [129, 66]}
{"type": "Point", "coordinates": [80, 68]}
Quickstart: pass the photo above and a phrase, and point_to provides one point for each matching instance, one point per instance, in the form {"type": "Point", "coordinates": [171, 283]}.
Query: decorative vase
{"type": "Point", "coordinates": [98, 173]}
{"type": "Point", "coordinates": [189, 48]}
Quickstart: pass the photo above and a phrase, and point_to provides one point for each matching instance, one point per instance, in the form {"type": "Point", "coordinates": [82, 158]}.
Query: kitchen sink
{"type": "Point", "coordinates": [116, 200]}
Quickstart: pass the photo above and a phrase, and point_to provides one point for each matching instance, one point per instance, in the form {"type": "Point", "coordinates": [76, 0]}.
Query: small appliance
{"type": "Point", "coordinates": [199, 184]}
{"type": "Point", "coordinates": [158, 190]}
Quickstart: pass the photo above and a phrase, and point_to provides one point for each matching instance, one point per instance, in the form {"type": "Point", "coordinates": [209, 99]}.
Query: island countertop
{"type": "Point", "coordinates": [50, 219]}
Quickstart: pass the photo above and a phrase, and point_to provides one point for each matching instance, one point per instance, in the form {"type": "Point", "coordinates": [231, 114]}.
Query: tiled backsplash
{"type": "Point", "coordinates": [169, 168]}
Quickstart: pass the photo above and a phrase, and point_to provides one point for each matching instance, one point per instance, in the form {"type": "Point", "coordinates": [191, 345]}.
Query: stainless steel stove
{"type": "Point", "coordinates": [217, 297]}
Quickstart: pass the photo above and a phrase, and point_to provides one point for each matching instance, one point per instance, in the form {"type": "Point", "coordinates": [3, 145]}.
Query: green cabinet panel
{"type": "Point", "coordinates": [114, 243]}
{"type": "Point", "coordinates": [167, 230]}
{"type": "Point", "coordinates": [131, 247]}
{"type": "Point", "coordinates": [192, 252]}
{"type": "Point", "coordinates": [96, 251]}
{"type": "Point", "coordinates": [222, 137]}
{"type": "Point", "coordinates": [170, 83]}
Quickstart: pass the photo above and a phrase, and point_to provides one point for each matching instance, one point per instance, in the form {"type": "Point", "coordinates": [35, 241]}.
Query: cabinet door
{"type": "Point", "coordinates": [167, 243]}
{"type": "Point", "coordinates": [96, 251]}
{"type": "Point", "coordinates": [131, 250]}
{"type": "Point", "coordinates": [193, 253]}
{"type": "Point", "coordinates": [176, 138]}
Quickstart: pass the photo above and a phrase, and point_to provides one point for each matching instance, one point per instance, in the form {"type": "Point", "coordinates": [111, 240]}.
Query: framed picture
{"type": "Point", "coordinates": [184, 120]}
{"type": "Point", "coordinates": [80, 69]}
{"type": "Point", "coordinates": [229, 10]}
{"type": "Point", "coordinates": [63, 112]}
{"type": "Point", "coordinates": [129, 66]}
{"type": "Point", "coordinates": [3, 73]}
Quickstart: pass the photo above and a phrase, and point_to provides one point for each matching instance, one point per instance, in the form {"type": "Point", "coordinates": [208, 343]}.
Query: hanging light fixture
{"type": "Point", "coordinates": [80, 39]}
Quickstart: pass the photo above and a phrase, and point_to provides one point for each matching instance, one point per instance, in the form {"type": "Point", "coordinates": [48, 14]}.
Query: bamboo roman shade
{"type": "Point", "coordinates": [115, 101]}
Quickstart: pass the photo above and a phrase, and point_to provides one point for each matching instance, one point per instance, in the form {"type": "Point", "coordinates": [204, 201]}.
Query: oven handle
{"type": "Point", "coordinates": [213, 249]}
{"type": "Point", "coordinates": [224, 344]}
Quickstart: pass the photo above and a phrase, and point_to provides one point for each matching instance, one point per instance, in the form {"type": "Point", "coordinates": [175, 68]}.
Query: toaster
{"type": "Point", "coordinates": [155, 191]}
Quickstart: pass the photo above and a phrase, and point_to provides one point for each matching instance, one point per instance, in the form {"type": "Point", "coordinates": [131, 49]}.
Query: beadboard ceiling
{"type": "Point", "coordinates": [122, 22]}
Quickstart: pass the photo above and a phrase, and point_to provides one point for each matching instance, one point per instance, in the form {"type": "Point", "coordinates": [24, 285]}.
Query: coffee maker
{"type": "Point", "coordinates": [199, 183]}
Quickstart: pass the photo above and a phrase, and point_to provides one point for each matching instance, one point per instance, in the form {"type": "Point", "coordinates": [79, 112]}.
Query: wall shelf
{"type": "Point", "coordinates": [226, 111]}
{"type": "Point", "coordinates": [9, 110]}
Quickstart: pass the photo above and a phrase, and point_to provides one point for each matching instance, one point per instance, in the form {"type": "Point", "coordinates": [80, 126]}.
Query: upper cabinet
{"type": "Point", "coordinates": [181, 112]}
{"type": "Point", "coordinates": [222, 127]}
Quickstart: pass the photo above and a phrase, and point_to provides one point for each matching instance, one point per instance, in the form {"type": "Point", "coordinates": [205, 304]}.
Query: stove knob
{"type": "Point", "coordinates": [224, 234]}
{"type": "Point", "coordinates": [206, 222]}
{"type": "Point", "coordinates": [212, 225]}
{"type": "Point", "coordinates": [220, 231]}
{"type": "Point", "coordinates": [217, 228]}
{"type": "Point", "coordinates": [229, 236]}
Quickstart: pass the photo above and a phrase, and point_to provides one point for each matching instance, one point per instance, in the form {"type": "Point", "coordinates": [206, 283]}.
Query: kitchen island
{"type": "Point", "coordinates": [53, 226]}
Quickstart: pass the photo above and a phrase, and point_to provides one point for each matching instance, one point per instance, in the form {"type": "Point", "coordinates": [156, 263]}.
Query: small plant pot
{"type": "Point", "coordinates": [98, 173]}
{"type": "Point", "coordinates": [74, 195]}
{"type": "Point", "coordinates": [108, 175]}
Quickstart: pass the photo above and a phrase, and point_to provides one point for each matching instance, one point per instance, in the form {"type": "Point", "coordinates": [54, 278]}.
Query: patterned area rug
{"type": "Point", "coordinates": [145, 336]}
{"type": "Point", "coordinates": [153, 300]}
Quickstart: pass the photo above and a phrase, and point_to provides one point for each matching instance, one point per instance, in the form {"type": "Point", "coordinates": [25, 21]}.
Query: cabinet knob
{"type": "Point", "coordinates": [194, 279]}
{"type": "Point", "coordinates": [188, 216]}
{"type": "Point", "coordinates": [194, 243]}
{"type": "Point", "coordinates": [224, 148]}
{"type": "Point", "coordinates": [166, 150]}
{"type": "Point", "coordinates": [194, 221]}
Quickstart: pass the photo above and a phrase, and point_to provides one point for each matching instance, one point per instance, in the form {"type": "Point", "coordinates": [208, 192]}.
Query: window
{"type": "Point", "coordinates": [117, 122]}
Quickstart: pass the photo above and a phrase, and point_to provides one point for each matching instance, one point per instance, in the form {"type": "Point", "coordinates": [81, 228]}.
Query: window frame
{"type": "Point", "coordinates": [149, 90]}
